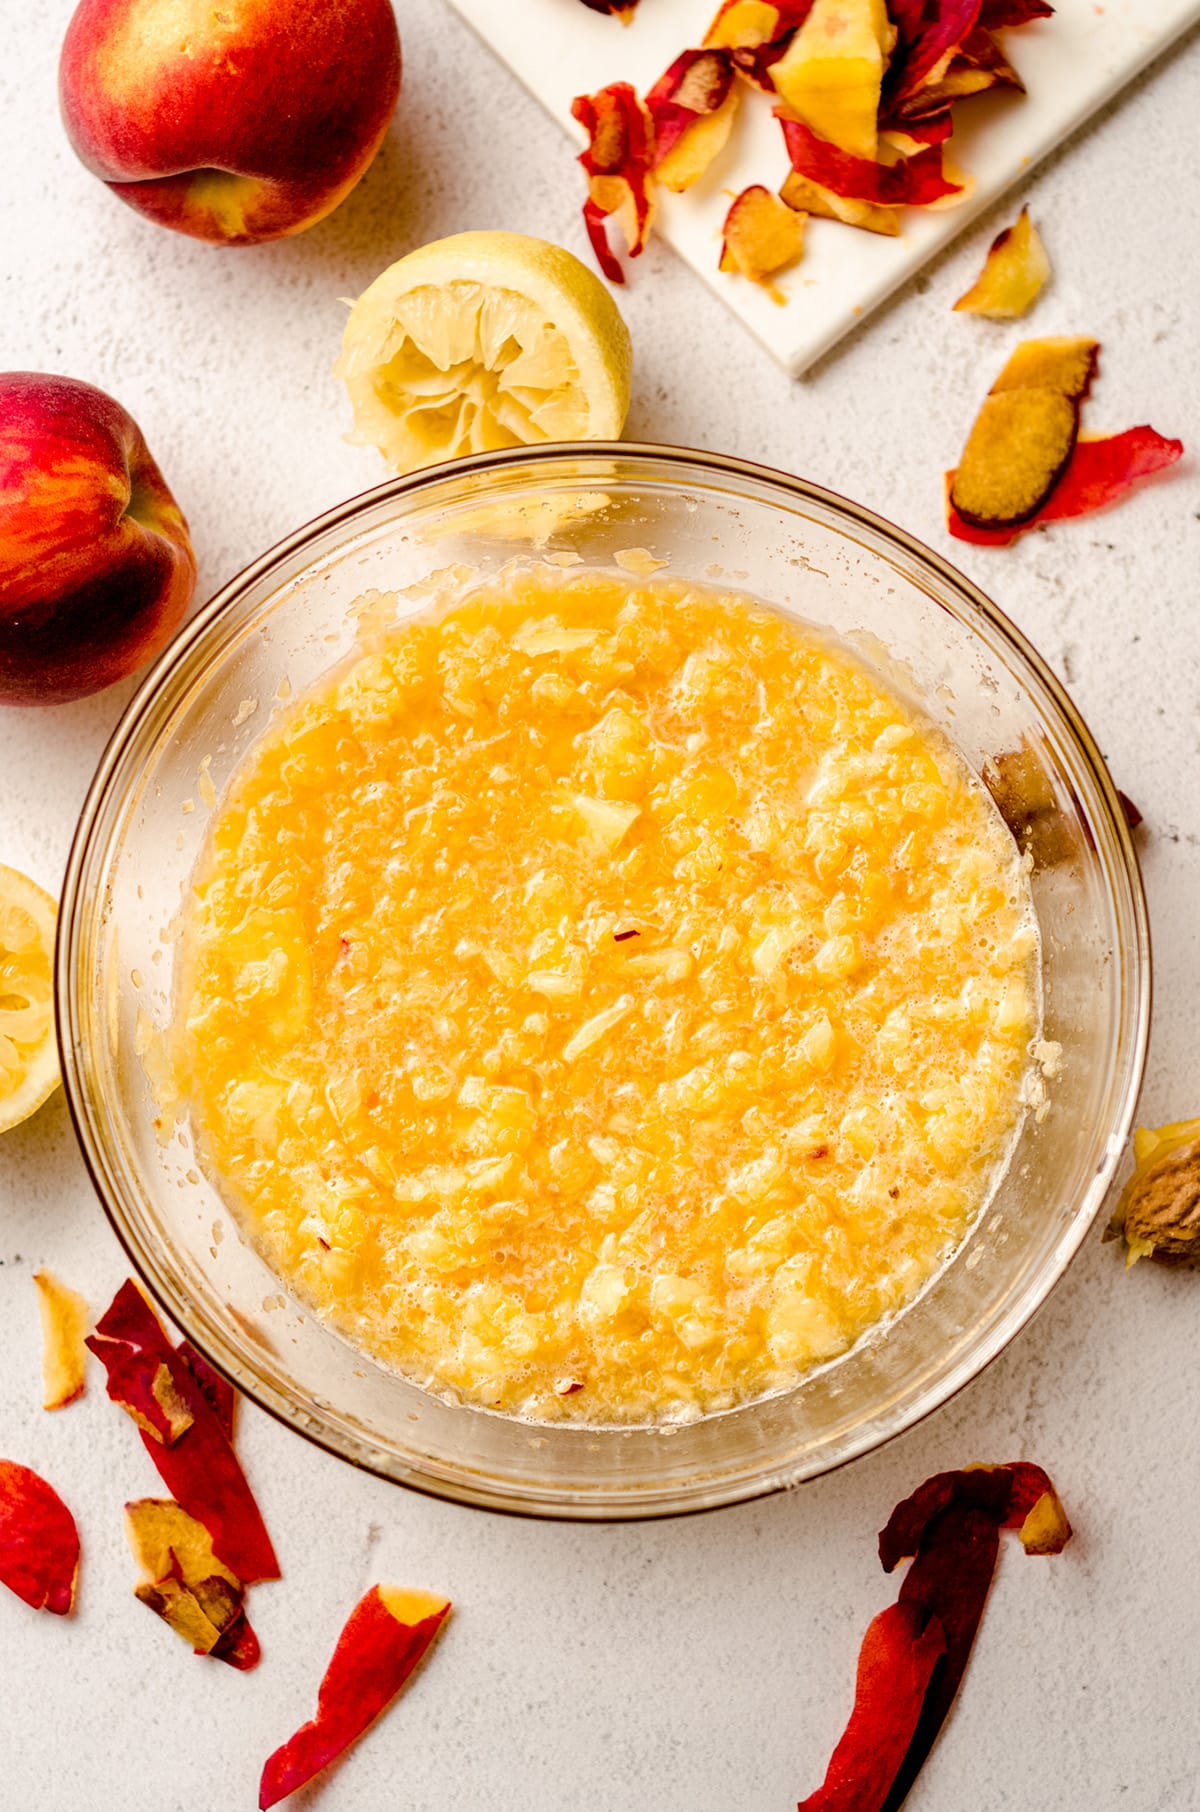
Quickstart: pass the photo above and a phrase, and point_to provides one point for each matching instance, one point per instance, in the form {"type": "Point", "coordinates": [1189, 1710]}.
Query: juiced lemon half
{"type": "Point", "coordinates": [483, 341]}
{"type": "Point", "coordinates": [28, 1053]}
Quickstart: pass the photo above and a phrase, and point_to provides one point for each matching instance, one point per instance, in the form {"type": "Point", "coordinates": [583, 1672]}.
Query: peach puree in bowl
{"type": "Point", "coordinates": [604, 998]}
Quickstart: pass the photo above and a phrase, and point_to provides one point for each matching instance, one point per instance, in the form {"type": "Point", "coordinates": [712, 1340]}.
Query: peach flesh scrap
{"type": "Point", "coordinates": [164, 1539]}
{"type": "Point", "coordinates": [1046, 1529]}
{"type": "Point", "coordinates": [698, 146]}
{"type": "Point", "coordinates": [1013, 276]}
{"type": "Point", "coordinates": [762, 235]}
{"type": "Point", "coordinates": [831, 74]}
{"type": "Point", "coordinates": [64, 1317]}
{"type": "Point", "coordinates": [1016, 451]}
{"type": "Point", "coordinates": [1064, 362]}
{"type": "Point", "coordinates": [186, 1585]}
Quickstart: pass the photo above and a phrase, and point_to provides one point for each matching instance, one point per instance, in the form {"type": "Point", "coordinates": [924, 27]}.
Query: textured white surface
{"type": "Point", "coordinates": [1070, 64]}
{"type": "Point", "coordinates": [702, 1666]}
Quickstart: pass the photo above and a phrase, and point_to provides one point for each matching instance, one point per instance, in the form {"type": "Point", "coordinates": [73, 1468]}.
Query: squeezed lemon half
{"type": "Point", "coordinates": [28, 1052]}
{"type": "Point", "coordinates": [483, 341]}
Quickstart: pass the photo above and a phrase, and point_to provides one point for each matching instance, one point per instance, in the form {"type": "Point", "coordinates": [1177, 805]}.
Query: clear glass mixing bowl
{"type": "Point", "coordinates": [289, 616]}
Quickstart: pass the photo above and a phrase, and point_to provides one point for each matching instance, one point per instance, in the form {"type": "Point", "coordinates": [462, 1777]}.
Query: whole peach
{"type": "Point", "coordinates": [231, 120]}
{"type": "Point", "coordinates": [96, 567]}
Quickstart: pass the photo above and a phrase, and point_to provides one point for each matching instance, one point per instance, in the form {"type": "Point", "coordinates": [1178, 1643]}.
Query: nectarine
{"type": "Point", "coordinates": [232, 120]}
{"type": "Point", "coordinates": [96, 567]}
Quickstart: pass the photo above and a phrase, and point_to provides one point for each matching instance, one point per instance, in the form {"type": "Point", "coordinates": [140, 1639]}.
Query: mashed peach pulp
{"type": "Point", "coordinates": [605, 999]}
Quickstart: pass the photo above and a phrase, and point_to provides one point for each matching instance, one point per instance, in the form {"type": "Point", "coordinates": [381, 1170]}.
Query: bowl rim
{"type": "Point", "coordinates": [1133, 1023]}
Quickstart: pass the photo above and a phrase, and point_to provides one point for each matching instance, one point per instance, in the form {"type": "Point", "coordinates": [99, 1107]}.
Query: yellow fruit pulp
{"type": "Point", "coordinates": [606, 999]}
{"type": "Point", "coordinates": [28, 1053]}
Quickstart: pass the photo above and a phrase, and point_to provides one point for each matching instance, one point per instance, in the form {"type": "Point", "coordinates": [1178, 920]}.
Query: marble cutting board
{"type": "Point", "coordinates": [1071, 64]}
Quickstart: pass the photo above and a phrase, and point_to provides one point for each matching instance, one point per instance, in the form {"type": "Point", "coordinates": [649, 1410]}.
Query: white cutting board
{"type": "Point", "coordinates": [1071, 64]}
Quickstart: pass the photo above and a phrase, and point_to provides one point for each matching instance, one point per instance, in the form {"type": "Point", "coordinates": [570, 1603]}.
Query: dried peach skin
{"type": "Point", "coordinates": [995, 15]}
{"type": "Point", "coordinates": [386, 1636]}
{"type": "Point", "coordinates": [914, 1655]}
{"type": "Point", "coordinates": [1133, 814]}
{"type": "Point", "coordinates": [239, 1646]}
{"type": "Point", "coordinates": [1013, 275]}
{"type": "Point", "coordinates": [899, 1653]}
{"type": "Point", "coordinates": [914, 182]}
{"type": "Point", "coordinates": [928, 36]}
{"type": "Point", "coordinates": [852, 74]}
{"type": "Point", "coordinates": [1017, 450]}
{"type": "Point", "coordinates": [1007, 1493]}
{"type": "Point", "coordinates": [146, 1391]}
{"type": "Point", "coordinates": [222, 1397]}
{"type": "Point", "coordinates": [1098, 474]}
{"type": "Point", "coordinates": [197, 1465]}
{"type": "Point", "coordinates": [200, 1613]}
{"type": "Point", "coordinates": [39, 1543]}
{"type": "Point", "coordinates": [185, 1583]}
{"type": "Point", "coordinates": [617, 161]}
{"type": "Point", "coordinates": [64, 1315]}
{"type": "Point", "coordinates": [762, 235]}
{"type": "Point", "coordinates": [808, 197]}
{"type": "Point", "coordinates": [979, 50]}
{"type": "Point", "coordinates": [910, 136]}
{"type": "Point", "coordinates": [977, 64]}
{"type": "Point", "coordinates": [949, 1579]}
{"type": "Point", "coordinates": [691, 108]}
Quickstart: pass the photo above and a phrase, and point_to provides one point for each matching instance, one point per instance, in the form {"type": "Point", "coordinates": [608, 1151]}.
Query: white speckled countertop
{"type": "Point", "coordinates": [703, 1665]}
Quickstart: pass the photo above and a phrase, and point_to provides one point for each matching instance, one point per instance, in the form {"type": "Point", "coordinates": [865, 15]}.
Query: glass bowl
{"type": "Point", "coordinates": [289, 617]}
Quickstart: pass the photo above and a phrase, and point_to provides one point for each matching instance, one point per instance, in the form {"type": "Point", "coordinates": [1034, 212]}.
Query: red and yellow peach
{"type": "Point", "coordinates": [96, 567]}
{"type": "Point", "coordinates": [231, 120]}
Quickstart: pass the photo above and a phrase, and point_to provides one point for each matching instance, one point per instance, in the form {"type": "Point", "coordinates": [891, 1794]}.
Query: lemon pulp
{"type": "Point", "coordinates": [28, 1052]}
{"type": "Point", "coordinates": [484, 341]}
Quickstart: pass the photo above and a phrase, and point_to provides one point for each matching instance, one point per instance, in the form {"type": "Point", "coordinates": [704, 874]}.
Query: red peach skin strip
{"type": "Point", "coordinates": [914, 1655]}
{"type": "Point", "coordinates": [386, 1636]}
{"type": "Point", "coordinates": [196, 1462]}
{"type": "Point", "coordinates": [39, 1543]}
{"type": "Point", "coordinates": [899, 1653]}
{"type": "Point", "coordinates": [1098, 474]}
